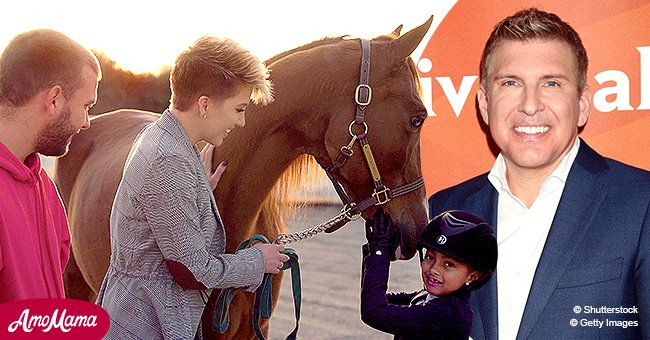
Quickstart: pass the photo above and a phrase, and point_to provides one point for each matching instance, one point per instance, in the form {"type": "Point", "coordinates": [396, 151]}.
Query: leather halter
{"type": "Point", "coordinates": [381, 194]}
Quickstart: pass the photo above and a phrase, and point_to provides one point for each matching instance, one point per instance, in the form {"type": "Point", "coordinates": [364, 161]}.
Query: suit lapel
{"type": "Point", "coordinates": [484, 204]}
{"type": "Point", "coordinates": [582, 195]}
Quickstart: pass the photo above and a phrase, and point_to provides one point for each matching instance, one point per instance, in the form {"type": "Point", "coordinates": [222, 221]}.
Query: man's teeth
{"type": "Point", "coordinates": [531, 130]}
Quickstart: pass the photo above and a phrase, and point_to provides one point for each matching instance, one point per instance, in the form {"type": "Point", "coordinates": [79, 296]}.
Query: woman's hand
{"type": "Point", "coordinates": [206, 159]}
{"type": "Point", "coordinates": [273, 257]}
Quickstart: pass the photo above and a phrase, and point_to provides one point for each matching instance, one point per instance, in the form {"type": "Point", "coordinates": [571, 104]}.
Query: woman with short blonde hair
{"type": "Point", "coordinates": [167, 238]}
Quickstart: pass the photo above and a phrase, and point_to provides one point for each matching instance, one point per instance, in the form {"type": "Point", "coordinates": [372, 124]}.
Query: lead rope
{"type": "Point", "coordinates": [263, 305]}
{"type": "Point", "coordinates": [350, 212]}
{"type": "Point", "coordinates": [347, 214]}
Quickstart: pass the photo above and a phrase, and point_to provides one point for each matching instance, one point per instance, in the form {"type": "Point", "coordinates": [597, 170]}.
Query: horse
{"type": "Point", "coordinates": [309, 124]}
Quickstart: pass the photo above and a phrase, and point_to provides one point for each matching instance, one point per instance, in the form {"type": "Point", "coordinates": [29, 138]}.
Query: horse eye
{"type": "Point", "coordinates": [417, 121]}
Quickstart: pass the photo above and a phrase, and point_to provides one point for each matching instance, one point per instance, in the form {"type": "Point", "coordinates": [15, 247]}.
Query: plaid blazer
{"type": "Point", "coordinates": [164, 210]}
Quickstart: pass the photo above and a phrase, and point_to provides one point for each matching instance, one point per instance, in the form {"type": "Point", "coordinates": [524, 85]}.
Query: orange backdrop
{"type": "Point", "coordinates": [456, 147]}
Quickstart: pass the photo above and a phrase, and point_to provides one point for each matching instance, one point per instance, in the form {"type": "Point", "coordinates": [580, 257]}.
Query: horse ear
{"type": "Point", "coordinates": [406, 44]}
{"type": "Point", "coordinates": [396, 32]}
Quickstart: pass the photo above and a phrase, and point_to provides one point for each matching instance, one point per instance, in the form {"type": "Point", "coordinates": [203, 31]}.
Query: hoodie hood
{"type": "Point", "coordinates": [23, 172]}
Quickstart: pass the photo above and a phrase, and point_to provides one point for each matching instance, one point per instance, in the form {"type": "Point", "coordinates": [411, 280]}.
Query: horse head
{"type": "Point", "coordinates": [393, 114]}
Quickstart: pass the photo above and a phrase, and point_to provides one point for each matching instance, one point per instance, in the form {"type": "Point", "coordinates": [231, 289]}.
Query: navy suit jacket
{"type": "Point", "coordinates": [597, 254]}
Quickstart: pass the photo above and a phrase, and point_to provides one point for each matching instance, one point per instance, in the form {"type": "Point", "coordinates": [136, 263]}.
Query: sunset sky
{"type": "Point", "coordinates": [142, 36]}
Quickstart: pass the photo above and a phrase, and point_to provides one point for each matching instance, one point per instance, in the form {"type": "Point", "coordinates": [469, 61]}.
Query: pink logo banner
{"type": "Point", "coordinates": [52, 319]}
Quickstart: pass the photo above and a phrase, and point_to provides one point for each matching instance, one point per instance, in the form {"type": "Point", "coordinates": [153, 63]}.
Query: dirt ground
{"type": "Point", "coordinates": [330, 267]}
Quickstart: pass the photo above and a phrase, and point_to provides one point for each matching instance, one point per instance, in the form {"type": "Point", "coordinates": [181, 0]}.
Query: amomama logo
{"type": "Point", "coordinates": [52, 319]}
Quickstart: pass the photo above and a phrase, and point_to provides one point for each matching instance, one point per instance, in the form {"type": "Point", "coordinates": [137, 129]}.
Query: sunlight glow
{"type": "Point", "coordinates": [143, 36]}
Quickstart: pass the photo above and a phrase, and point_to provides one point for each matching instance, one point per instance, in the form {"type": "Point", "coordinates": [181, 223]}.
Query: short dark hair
{"type": "Point", "coordinates": [39, 59]}
{"type": "Point", "coordinates": [530, 24]}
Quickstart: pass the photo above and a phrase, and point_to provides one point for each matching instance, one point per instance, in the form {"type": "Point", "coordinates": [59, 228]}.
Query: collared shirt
{"type": "Point", "coordinates": [423, 299]}
{"type": "Point", "coordinates": [429, 298]}
{"type": "Point", "coordinates": [521, 235]}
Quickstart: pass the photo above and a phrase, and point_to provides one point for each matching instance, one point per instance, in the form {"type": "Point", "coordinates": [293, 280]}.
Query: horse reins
{"type": "Point", "coordinates": [381, 194]}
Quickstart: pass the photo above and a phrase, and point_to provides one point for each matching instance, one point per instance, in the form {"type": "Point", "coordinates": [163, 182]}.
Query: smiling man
{"type": "Point", "coordinates": [48, 82]}
{"type": "Point", "coordinates": [572, 226]}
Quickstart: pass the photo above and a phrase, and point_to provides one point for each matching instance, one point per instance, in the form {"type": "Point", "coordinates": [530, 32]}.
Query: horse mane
{"type": "Point", "coordinates": [297, 181]}
{"type": "Point", "coordinates": [302, 176]}
{"type": "Point", "coordinates": [308, 46]}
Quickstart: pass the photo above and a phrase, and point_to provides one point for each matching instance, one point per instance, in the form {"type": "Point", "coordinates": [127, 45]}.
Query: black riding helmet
{"type": "Point", "coordinates": [464, 237]}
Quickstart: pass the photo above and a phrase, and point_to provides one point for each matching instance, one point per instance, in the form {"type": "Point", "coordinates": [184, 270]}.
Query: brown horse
{"type": "Point", "coordinates": [314, 87]}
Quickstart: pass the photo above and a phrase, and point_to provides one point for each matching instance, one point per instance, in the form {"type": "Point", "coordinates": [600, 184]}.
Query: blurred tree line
{"type": "Point", "coordinates": [121, 89]}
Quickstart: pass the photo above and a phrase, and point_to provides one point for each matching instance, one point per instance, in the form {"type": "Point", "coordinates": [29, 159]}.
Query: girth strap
{"type": "Point", "coordinates": [263, 305]}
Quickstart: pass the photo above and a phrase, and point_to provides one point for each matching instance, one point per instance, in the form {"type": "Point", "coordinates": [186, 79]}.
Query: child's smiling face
{"type": "Point", "coordinates": [443, 275]}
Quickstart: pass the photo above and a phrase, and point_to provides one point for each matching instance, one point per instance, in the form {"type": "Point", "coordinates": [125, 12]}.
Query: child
{"type": "Point", "coordinates": [459, 254]}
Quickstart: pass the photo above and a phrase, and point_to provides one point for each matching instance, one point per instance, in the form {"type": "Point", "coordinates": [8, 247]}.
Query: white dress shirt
{"type": "Point", "coordinates": [521, 234]}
